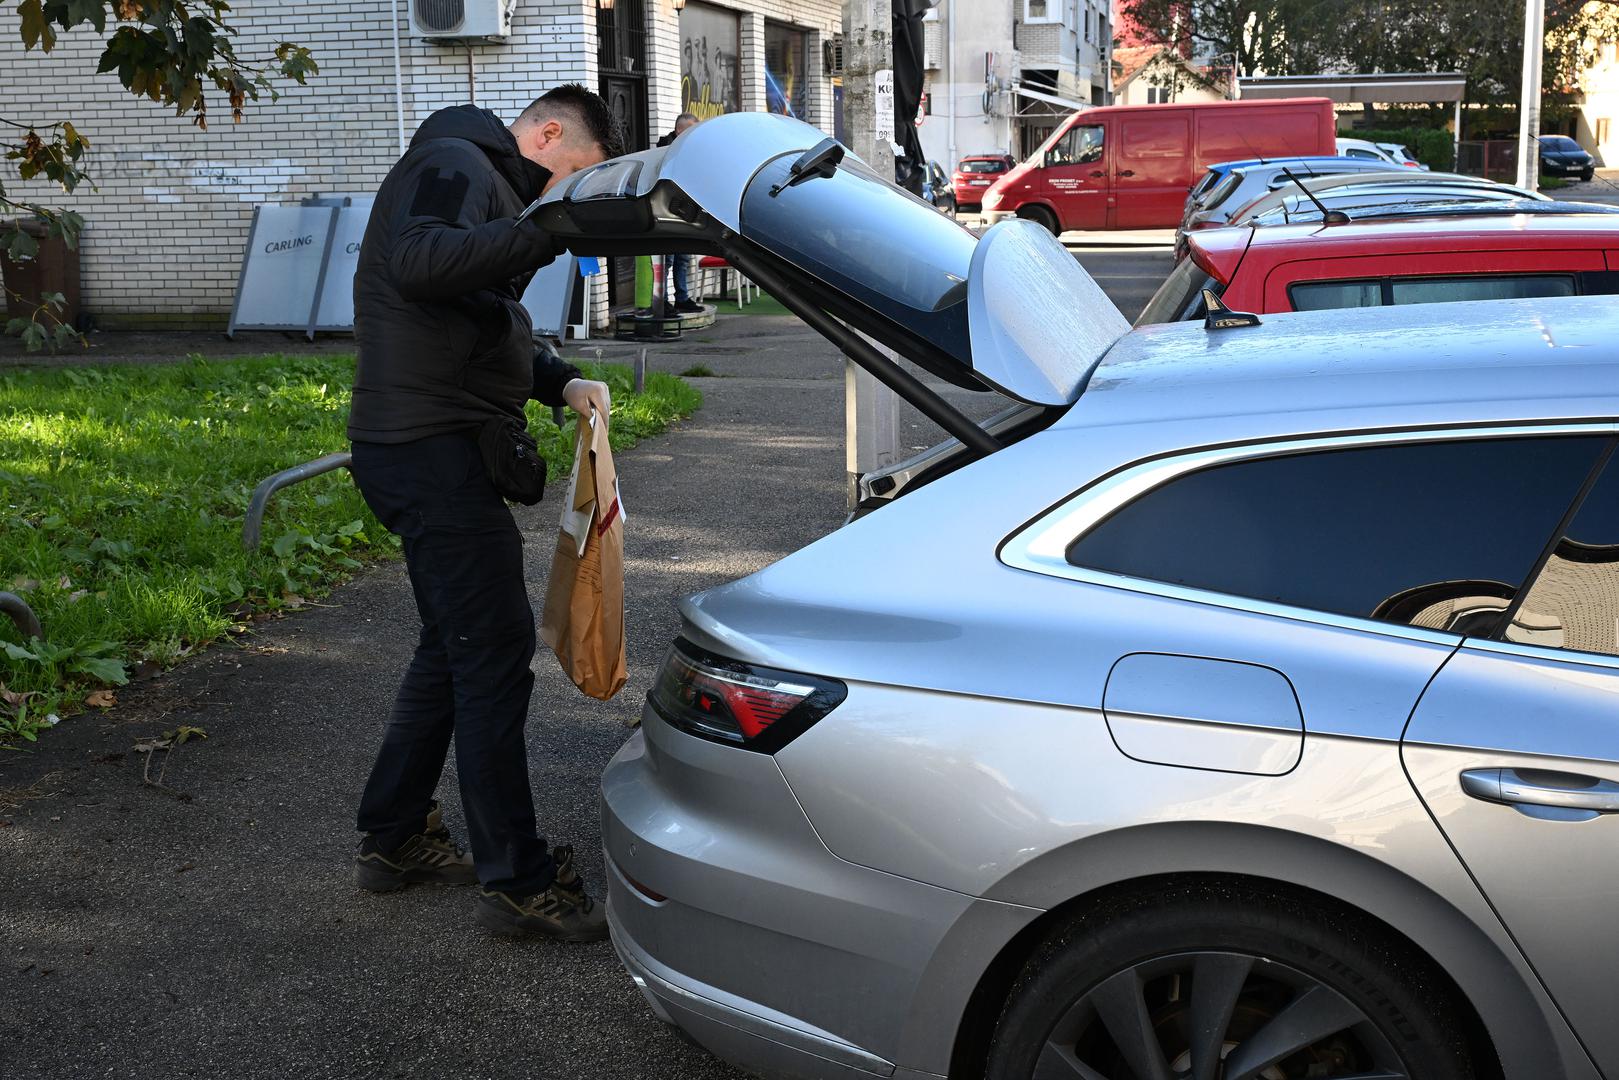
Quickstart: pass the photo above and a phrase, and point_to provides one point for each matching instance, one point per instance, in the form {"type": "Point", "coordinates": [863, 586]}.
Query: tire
{"type": "Point", "coordinates": [1587, 174]}
{"type": "Point", "coordinates": [1118, 991]}
{"type": "Point", "coordinates": [1042, 217]}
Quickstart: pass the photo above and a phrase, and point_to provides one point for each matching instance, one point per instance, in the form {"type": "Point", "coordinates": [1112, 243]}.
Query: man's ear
{"type": "Point", "coordinates": [549, 132]}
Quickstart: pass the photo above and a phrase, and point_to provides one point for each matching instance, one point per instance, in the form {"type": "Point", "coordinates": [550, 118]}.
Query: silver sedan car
{"type": "Point", "coordinates": [1239, 703]}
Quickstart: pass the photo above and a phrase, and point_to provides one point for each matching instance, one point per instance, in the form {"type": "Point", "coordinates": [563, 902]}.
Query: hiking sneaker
{"type": "Point", "coordinates": [563, 910]}
{"type": "Point", "coordinates": [430, 855]}
{"type": "Point", "coordinates": [689, 307]}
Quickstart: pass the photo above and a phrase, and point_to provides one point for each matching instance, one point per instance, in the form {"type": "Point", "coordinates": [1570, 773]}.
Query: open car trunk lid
{"type": "Point", "coordinates": [1012, 313]}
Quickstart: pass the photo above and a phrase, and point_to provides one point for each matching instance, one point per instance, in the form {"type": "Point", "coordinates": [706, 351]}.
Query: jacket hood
{"type": "Point", "coordinates": [485, 130]}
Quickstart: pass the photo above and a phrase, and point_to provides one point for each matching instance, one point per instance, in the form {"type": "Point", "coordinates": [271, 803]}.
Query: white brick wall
{"type": "Point", "coordinates": [167, 220]}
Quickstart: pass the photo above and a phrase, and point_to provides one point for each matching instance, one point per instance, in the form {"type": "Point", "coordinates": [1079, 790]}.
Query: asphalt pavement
{"type": "Point", "coordinates": [213, 928]}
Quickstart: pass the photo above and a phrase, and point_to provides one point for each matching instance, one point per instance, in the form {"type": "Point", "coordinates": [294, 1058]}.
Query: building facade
{"type": "Point", "coordinates": [167, 220]}
{"type": "Point", "coordinates": [1597, 124]}
{"type": "Point", "coordinates": [1002, 74]}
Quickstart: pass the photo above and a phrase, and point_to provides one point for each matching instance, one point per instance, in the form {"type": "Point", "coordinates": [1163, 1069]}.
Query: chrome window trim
{"type": "Point", "coordinates": [1576, 657]}
{"type": "Point", "coordinates": [1041, 547]}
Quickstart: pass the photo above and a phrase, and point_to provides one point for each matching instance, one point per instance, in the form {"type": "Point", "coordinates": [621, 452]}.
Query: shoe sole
{"type": "Point", "coordinates": [374, 879]}
{"type": "Point", "coordinates": [496, 923]}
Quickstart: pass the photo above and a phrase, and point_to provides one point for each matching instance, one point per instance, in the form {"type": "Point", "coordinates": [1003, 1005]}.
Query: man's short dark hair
{"type": "Point", "coordinates": [685, 116]}
{"type": "Point", "coordinates": [585, 107]}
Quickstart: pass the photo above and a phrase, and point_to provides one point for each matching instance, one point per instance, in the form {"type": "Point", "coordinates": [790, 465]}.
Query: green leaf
{"type": "Point", "coordinates": [93, 12]}
{"type": "Point", "coordinates": [33, 337]}
{"type": "Point", "coordinates": [106, 669]}
{"type": "Point", "coordinates": [285, 545]}
{"type": "Point", "coordinates": [17, 652]}
{"type": "Point", "coordinates": [22, 246]}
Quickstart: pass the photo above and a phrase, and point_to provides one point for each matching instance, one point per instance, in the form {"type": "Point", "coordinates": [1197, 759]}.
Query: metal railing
{"type": "Point", "coordinates": [253, 522]}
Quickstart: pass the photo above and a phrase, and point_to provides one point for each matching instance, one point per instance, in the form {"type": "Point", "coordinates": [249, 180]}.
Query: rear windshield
{"type": "Point", "coordinates": [1179, 297]}
{"type": "Point", "coordinates": [1209, 179]}
{"type": "Point", "coordinates": [983, 166]}
{"type": "Point", "coordinates": [1221, 191]}
{"type": "Point", "coordinates": [884, 247]}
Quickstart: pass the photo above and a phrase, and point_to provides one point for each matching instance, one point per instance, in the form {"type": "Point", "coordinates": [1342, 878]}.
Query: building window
{"type": "Point", "coordinates": [1602, 131]}
{"type": "Point", "coordinates": [1037, 10]}
{"type": "Point", "coordinates": [786, 70]}
{"type": "Point", "coordinates": [1157, 95]}
{"type": "Point", "coordinates": [710, 60]}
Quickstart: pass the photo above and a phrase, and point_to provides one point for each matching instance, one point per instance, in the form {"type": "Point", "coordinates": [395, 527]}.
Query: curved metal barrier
{"type": "Point", "coordinates": [253, 522]}
{"type": "Point", "coordinates": [13, 605]}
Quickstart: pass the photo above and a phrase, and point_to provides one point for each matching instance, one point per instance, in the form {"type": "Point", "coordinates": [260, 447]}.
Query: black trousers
{"type": "Point", "coordinates": [469, 678]}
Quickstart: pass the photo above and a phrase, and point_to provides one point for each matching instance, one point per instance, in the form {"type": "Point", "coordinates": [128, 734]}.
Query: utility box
{"type": "Point", "coordinates": [461, 20]}
{"type": "Point", "coordinates": [55, 269]}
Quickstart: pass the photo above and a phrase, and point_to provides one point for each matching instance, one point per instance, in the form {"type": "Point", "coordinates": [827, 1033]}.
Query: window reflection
{"type": "Point", "coordinates": [1436, 534]}
{"type": "Point", "coordinates": [1574, 602]}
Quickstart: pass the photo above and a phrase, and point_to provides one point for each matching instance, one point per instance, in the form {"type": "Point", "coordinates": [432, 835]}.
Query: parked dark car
{"type": "Point", "coordinates": [1562, 156]}
{"type": "Point", "coordinates": [974, 175]}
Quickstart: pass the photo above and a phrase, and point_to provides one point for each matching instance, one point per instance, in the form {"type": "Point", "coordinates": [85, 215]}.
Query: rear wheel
{"type": "Point", "coordinates": [1042, 217]}
{"type": "Point", "coordinates": [1210, 983]}
{"type": "Point", "coordinates": [1587, 174]}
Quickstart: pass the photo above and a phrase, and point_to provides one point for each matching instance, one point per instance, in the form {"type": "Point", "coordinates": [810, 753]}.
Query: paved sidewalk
{"type": "Point", "coordinates": [219, 933]}
{"type": "Point", "coordinates": [1601, 188]}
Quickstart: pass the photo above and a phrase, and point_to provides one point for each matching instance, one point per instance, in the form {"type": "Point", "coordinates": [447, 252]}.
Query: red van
{"type": "Point", "coordinates": [1129, 167]}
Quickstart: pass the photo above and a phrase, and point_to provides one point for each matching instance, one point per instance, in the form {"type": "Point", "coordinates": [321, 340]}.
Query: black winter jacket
{"type": "Point", "coordinates": [443, 342]}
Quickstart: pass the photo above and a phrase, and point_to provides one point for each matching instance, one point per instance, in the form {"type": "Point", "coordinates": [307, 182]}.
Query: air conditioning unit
{"type": "Point", "coordinates": [462, 20]}
{"type": "Point", "coordinates": [832, 56]}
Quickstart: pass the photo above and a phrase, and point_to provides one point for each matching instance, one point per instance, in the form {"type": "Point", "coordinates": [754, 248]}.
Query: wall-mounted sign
{"type": "Point", "coordinates": [883, 98]}
{"type": "Point", "coordinates": [710, 60]}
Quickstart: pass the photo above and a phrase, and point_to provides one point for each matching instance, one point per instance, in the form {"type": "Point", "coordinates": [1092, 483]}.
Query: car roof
{"type": "Point", "coordinates": [1497, 361]}
{"type": "Point", "coordinates": [1517, 230]}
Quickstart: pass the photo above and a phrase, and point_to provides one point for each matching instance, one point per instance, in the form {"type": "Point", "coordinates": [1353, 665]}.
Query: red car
{"type": "Point", "coordinates": [1409, 260]}
{"type": "Point", "coordinates": [977, 172]}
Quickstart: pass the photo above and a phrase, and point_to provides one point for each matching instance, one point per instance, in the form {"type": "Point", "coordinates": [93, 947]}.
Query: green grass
{"type": "Point", "coordinates": [761, 304]}
{"type": "Point", "coordinates": [122, 491]}
{"type": "Point", "coordinates": [1552, 183]}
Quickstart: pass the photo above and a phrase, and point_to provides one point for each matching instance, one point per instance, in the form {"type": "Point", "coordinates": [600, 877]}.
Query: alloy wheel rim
{"type": "Point", "coordinates": [1215, 1015]}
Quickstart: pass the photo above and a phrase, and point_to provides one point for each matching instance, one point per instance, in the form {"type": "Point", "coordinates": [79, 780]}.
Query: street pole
{"type": "Point", "coordinates": [1534, 31]}
{"type": "Point", "coordinates": [871, 410]}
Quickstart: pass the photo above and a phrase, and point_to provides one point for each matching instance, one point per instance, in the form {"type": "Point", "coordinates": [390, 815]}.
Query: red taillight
{"type": "Point", "coordinates": [718, 698]}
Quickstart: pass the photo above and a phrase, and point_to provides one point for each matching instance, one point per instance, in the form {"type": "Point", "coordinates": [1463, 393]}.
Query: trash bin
{"type": "Point", "coordinates": [54, 269]}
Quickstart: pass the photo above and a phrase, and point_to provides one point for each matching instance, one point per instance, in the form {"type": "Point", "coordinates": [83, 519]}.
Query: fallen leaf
{"type": "Point", "coordinates": [64, 582]}
{"type": "Point", "coordinates": [184, 868]}
{"type": "Point", "coordinates": [15, 698]}
{"type": "Point", "coordinates": [292, 600]}
{"type": "Point", "coordinates": [182, 734]}
{"type": "Point", "coordinates": [76, 595]}
{"type": "Point", "coordinates": [102, 699]}
{"type": "Point", "coordinates": [24, 584]}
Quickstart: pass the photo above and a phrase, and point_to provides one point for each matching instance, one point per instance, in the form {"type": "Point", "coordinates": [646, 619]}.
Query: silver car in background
{"type": "Point", "coordinates": [1240, 703]}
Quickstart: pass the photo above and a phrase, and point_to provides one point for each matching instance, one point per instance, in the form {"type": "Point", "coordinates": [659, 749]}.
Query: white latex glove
{"type": "Point", "coordinates": [582, 395]}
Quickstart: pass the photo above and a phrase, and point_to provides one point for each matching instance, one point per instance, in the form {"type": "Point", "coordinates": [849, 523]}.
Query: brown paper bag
{"type": "Point", "coordinates": [584, 601]}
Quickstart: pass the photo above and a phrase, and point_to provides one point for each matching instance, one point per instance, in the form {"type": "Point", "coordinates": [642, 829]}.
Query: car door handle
{"type": "Point", "coordinates": [1539, 787]}
{"type": "Point", "coordinates": [1127, 172]}
{"type": "Point", "coordinates": [1096, 172]}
